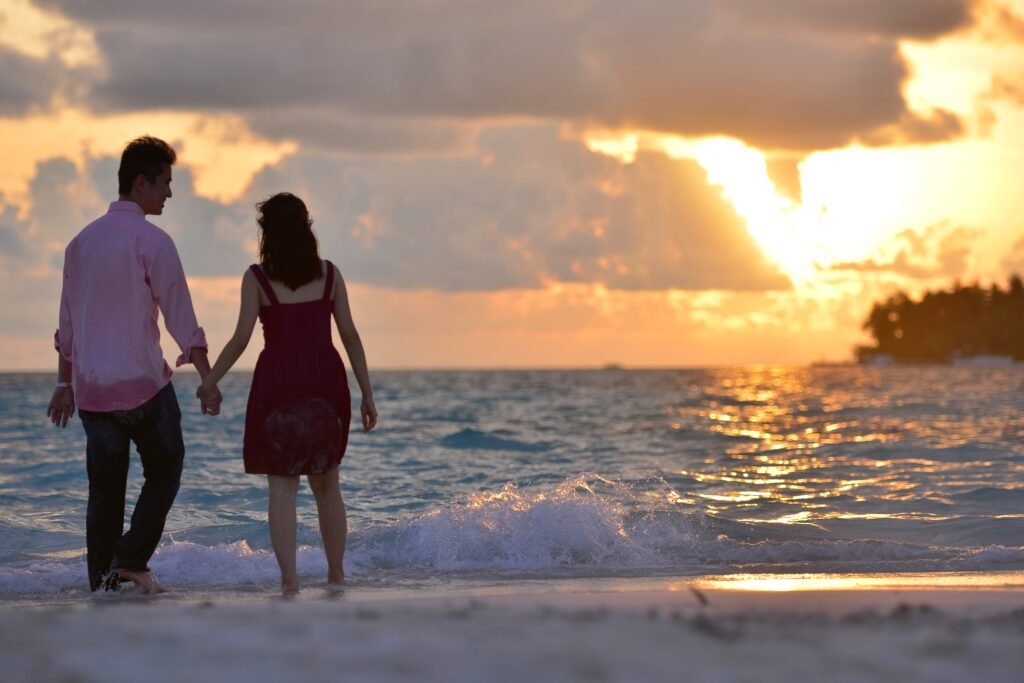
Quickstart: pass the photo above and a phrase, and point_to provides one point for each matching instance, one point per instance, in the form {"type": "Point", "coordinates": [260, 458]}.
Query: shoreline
{"type": "Point", "coordinates": [870, 589]}
{"type": "Point", "coordinates": [812, 627]}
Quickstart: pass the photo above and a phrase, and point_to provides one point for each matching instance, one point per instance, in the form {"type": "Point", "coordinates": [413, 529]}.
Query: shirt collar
{"type": "Point", "coordinates": [129, 206]}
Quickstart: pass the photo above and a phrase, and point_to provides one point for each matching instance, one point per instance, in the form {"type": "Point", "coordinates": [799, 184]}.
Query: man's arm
{"type": "Point", "coordinates": [62, 403]}
{"type": "Point", "coordinates": [170, 290]}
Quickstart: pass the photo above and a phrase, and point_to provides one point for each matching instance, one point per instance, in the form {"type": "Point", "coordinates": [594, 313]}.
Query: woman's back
{"type": "Point", "coordinates": [311, 291]}
{"type": "Point", "coordinates": [299, 318]}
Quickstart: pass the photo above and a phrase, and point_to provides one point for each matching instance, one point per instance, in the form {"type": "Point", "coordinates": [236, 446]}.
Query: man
{"type": "Point", "coordinates": [118, 271]}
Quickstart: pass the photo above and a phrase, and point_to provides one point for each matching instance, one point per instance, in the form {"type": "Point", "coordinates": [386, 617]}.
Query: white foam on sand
{"type": "Point", "coordinates": [667, 634]}
{"type": "Point", "coordinates": [586, 524]}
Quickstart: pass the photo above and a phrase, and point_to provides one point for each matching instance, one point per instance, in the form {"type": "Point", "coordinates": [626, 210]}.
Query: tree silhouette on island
{"type": "Point", "coordinates": [963, 322]}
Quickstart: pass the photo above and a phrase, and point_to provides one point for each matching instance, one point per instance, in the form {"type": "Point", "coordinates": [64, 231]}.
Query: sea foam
{"type": "Point", "coordinates": [587, 523]}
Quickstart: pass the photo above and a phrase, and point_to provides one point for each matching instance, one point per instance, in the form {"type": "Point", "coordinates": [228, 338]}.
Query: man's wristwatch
{"type": "Point", "coordinates": [63, 385]}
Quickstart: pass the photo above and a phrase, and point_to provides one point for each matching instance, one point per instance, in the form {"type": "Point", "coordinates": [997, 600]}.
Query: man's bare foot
{"type": "Point", "coordinates": [289, 588]}
{"type": "Point", "coordinates": [144, 580]}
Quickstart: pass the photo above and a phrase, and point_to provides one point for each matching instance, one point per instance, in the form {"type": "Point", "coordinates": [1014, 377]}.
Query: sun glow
{"type": "Point", "coordinates": [852, 201]}
{"type": "Point", "coordinates": [772, 220]}
{"type": "Point", "coordinates": [779, 227]}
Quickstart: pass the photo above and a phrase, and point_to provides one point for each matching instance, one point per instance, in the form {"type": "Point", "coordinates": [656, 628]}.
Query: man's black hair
{"type": "Point", "coordinates": [147, 156]}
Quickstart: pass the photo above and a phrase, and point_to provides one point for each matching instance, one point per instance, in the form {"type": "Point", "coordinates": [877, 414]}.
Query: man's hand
{"type": "Point", "coordinates": [209, 398]}
{"type": "Point", "coordinates": [369, 413]}
{"type": "Point", "coordinates": [62, 406]}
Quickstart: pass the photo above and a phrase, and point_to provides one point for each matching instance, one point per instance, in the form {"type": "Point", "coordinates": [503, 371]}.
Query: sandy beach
{"type": "Point", "coordinates": [797, 628]}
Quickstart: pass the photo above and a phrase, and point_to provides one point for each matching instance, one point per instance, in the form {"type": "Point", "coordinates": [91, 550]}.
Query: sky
{"type": "Point", "coordinates": [652, 183]}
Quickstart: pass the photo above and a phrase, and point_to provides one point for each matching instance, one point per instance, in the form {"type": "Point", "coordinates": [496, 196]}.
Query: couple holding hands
{"type": "Point", "coordinates": [118, 272]}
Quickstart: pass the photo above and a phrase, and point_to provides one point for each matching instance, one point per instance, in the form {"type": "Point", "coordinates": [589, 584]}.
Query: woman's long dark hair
{"type": "Point", "coordinates": [288, 248]}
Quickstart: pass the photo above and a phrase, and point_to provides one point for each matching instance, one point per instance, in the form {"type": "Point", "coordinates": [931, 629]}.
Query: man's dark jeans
{"type": "Point", "coordinates": [155, 427]}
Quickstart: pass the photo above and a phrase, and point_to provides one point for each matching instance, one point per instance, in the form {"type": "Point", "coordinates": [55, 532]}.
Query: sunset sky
{"type": "Point", "coordinates": [533, 183]}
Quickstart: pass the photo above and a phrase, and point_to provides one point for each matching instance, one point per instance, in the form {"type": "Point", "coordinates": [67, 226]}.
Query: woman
{"type": "Point", "coordinates": [297, 419]}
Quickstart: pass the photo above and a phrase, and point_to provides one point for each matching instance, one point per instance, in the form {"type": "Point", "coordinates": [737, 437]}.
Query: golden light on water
{"type": "Point", "coordinates": [795, 452]}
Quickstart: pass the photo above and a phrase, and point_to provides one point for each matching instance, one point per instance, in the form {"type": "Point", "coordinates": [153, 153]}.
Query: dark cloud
{"type": "Point", "coordinates": [530, 207]}
{"type": "Point", "coordinates": [211, 236]}
{"type": "Point", "coordinates": [940, 251]}
{"type": "Point", "coordinates": [919, 19]}
{"type": "Point", "coordinates": [914, 128]}
{"type": "Point", "coordinates": [770, 92]}
{"type": "Point", "coordinates": [357, 14]}
{"type": "Point", "coordinates": [325, 130]}
{"type": "Point", "coordinates": [62, 203]}
{"type": "Point", "coordinates": [692, 67]}
{"type": "Point", "coordinates": [25, 83]}
{"type": "Point", "coordinates": [13, 244]}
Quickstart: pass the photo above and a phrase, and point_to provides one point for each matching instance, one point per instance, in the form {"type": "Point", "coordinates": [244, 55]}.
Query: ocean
{"type": "Point", "coordinates": [481, 478]}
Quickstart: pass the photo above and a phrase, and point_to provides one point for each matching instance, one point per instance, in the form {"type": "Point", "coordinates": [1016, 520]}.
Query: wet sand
{"type": "Point", "coordinates": [965, 627]}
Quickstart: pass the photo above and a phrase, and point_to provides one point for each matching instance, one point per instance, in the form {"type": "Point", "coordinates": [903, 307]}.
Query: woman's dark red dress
{"type": "Point", "coordinates": [299, 409]}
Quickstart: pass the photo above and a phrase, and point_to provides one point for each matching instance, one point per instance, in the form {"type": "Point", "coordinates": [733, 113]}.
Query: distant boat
{"type": "Point", "coordinates": [981, 360]}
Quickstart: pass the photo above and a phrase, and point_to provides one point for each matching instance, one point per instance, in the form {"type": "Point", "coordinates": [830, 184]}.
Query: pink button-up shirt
{"type": "Point", "coordinates": [118, 272]}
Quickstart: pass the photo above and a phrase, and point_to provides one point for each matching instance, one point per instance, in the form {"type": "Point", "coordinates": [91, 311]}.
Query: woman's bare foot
{"type": "Point", "coordinates": [144, 580]}
{"type": "Point", "coordinates": [289, 588]}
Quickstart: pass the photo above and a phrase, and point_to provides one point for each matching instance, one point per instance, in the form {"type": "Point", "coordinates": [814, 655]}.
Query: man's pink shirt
{"type": "Point", "coordinates": [118, 272]}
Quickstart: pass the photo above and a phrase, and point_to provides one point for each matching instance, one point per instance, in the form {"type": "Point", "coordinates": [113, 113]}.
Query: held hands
{"type": "Point", "coordinates": [62, 406]}
{"type": "Point", "coordinates": [369, 413]}
{"type": "Point", "coordinates": [209, 398]}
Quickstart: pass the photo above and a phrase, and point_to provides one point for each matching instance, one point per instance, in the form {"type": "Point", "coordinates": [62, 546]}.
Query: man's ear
{"type": "Point", "coordinates": [139, 182]}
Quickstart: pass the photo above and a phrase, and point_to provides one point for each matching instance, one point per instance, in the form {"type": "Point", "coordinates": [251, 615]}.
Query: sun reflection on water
{"type": "Point", "coordinates": [801, 447]}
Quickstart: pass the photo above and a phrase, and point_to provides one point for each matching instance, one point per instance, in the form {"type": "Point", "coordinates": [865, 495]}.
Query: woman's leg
{"type": "Point", "coordinates": [333, 523]}
{"type": "Point", "coordinates": [281, 513]}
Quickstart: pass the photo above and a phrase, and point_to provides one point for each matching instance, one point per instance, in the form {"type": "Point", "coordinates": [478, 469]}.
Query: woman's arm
{"type": "Point", "coordinates": [354, 349]}
{"type": "Point", "coordinates": [247, 314]}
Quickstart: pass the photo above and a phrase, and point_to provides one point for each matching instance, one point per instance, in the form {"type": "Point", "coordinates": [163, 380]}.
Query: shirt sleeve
{"type": "Point", "coordinates": [170, 291]}
{"type": "Point", "coordinates": [63, 338]}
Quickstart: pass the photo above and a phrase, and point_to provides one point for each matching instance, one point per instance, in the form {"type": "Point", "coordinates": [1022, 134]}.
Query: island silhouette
{"type": "Point", "coordinates": [964, 323]}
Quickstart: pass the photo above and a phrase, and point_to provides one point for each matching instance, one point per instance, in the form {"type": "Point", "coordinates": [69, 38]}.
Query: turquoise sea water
{"type": "Point", "coordinates": [485, 476]}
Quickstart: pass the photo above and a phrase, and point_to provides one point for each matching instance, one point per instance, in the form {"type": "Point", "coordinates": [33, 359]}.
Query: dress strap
{"type": "Point", "coordinates": [329, 285]}
{"type": "Point", "coordinates": [264, 282]}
